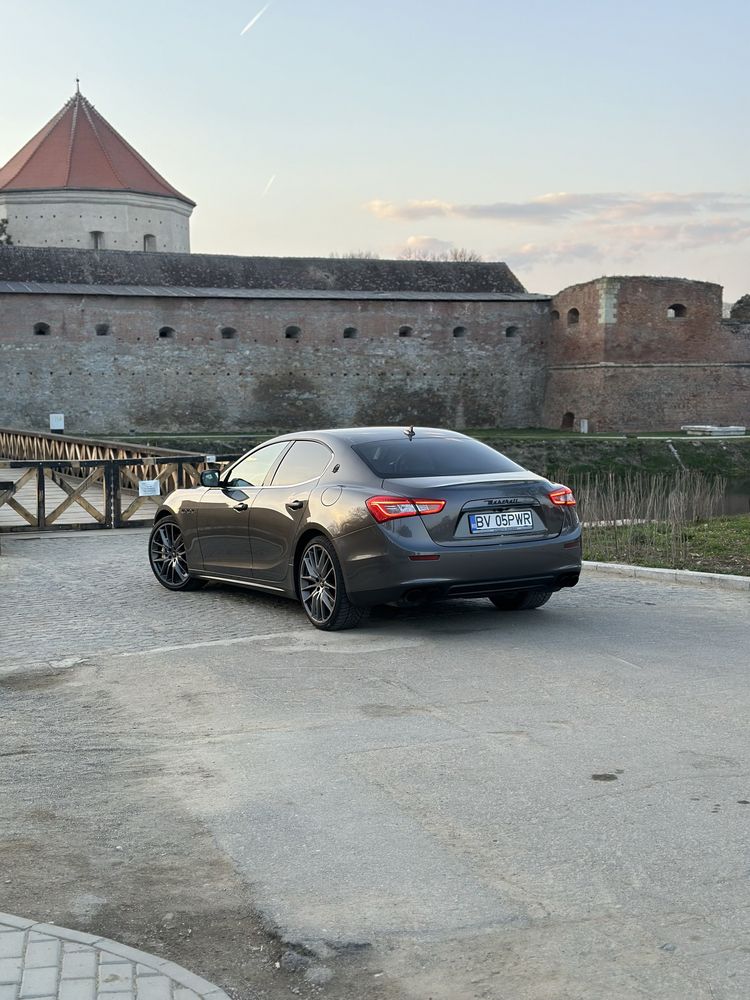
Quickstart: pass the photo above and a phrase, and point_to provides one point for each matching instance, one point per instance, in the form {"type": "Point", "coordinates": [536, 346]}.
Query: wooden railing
{"type": "Point", "coordinates": [17, 444]}
{"type": "Point", "coordinates": [57, 481]}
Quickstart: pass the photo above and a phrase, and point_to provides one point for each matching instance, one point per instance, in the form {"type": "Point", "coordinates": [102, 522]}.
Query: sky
{"type": "Point", "coordinates": [569, 139]}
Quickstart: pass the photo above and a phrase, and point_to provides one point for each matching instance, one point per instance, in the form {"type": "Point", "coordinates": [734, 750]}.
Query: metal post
{"type": "Point", "coordinates": [107, 478]}
{"type": "Point", "coordinates": [41, 504]}
{"type": "Point", "coordinates": [116, 498]}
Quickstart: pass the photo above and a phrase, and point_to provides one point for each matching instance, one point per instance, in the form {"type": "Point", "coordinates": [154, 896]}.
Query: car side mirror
{"type": "Point", "coordinates": [210, 477]}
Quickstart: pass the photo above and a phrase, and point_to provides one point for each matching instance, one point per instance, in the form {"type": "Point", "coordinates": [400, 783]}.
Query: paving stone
{"type": "Point", "coordinates": [51, 930]}
{"type": "Point", "coordinates": [154, 988]}
{"type": "Point", "coordinates": [10, 970]}
{"type": "Point", "coordinates": [39, 982]}
{"type": "Point", "coordinates": [12, 922]}
{"type": "Point", "coordinates": [114, 978]}
{"type": "Point", "coordinates": [79, 965]}
{"type": "Point", "coordinates": [11, 944]}
{"type": "Point", "coordinates": [146, 970]}
{"type": "Point", "coordinates": [51, 963]}
{"type": "Point", "coordinates": [41, 954]}
{"type": "Point", "coordinates": [77, 989]}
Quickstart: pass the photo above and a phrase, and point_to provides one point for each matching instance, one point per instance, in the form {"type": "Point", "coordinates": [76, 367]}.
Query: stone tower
{"type": "Point", "coordinates": [78, 183]}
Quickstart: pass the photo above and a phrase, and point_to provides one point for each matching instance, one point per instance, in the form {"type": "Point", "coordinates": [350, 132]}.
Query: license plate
{"type": "Point", "coordinates": [506, 520]}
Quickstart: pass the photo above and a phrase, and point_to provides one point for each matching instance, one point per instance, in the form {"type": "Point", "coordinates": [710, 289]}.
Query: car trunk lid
{"type": "Point", "coordinates": [485, 509]}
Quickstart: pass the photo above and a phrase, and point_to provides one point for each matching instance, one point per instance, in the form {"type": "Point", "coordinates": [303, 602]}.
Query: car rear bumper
{"type": "Point", "coordinates": [380, 569]}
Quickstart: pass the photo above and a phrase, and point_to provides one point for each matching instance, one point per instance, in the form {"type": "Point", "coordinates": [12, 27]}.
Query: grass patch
{"type": "Point", "coordinates": [716, 545]}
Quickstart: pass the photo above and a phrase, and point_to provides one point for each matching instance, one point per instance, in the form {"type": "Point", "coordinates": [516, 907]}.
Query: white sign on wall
{"type": "Point", "coordinates": [584, 425]}
{"type": "Point", "coordinates": [210, 458]}
{"type": "Point", "coordinates": [149, 487]}
{"type": "Point", "coordinates": [57, 421]}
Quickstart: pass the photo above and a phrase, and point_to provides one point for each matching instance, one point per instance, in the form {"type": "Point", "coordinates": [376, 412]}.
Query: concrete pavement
{"type": "Point", "coordinates": [452, 803]}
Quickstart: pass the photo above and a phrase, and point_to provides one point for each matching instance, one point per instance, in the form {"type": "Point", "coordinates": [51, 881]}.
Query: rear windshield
{"type": "Point", "coordinates": [432, 456]}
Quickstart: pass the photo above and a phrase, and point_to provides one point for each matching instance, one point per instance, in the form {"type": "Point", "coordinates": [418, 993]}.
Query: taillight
{"type": "Point", "coordinates": [389, 508]}
{"type": "Point", "coordinates": [563, 497]}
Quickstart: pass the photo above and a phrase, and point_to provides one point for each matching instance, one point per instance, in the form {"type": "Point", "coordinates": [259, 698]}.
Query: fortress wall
{"type": "Point", "coordinates": [582, 341]}
{"type": "Point", "coordinates": [643, 331]}
{"type": "Point", "coordinates": [129, 379]}
{"type": "Point", "coordinates": [632, 397]}
{"type": "Point", "coordinates": [625, 319]}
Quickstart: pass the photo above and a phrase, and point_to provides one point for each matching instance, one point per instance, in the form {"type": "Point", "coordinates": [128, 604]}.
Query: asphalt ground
{"type": "Point", "coordinates": [449, 803]}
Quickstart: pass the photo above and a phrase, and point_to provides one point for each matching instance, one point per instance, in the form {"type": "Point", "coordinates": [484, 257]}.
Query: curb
{"type": "Point", "coordinates": [716, 581]}
{"type": "Point", "coordinates": [40, 951]}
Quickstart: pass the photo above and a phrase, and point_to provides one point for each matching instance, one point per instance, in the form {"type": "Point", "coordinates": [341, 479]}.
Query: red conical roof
{"type": "Point", "coordinates": [79, 150]}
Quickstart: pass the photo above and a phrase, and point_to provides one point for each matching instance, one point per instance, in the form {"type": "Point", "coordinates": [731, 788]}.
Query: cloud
{"type": "Point", "coordinates": [531, 254]}
{"type": "Point", "coordinates": [428, 244]}
{"type": "Point", "coordinates": [626, 244]}
{"type": "Point", "coordinates": [562, 206]}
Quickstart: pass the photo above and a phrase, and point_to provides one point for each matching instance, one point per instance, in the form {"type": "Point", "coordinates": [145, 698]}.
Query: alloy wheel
{"type": "Point", "coordinates": [317, 581]}
{"type": "Point", "coordinates": [168, 555]}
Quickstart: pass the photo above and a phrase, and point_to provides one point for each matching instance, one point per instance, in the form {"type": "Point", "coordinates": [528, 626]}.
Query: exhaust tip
{"type": "Point", "coordinates": [413, 598]}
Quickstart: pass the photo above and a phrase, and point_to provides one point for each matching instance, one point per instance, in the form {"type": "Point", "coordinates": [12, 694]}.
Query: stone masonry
{"type": "Point", "coordinates": [125, 342]}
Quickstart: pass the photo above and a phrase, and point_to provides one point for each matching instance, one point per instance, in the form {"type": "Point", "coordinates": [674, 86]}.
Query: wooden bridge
{"type": "Point", "coordinates": [54, 481]}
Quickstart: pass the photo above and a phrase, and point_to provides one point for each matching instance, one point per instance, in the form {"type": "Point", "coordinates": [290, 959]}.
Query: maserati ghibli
{"type": "Point", "coordinates": [344, 520]}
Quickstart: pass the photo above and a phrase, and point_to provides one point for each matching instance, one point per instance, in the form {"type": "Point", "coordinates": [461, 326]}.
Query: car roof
{"type": "Point", "coordinates": [359, 435]}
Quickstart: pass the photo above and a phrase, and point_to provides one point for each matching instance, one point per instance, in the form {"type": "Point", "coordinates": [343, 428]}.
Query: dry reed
{"type": "Point", "coordinates": [633, 517]}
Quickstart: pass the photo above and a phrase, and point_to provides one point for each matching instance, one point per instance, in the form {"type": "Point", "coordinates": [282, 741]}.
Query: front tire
{"type": "Point", "coordinates": [320, 585]}
{"type": "Point", "coordinates": [524, 600]}
{"type": "Point", "coordinates": [168, 558]}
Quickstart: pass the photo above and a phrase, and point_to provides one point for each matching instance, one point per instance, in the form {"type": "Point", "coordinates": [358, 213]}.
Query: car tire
{"type": "Point", "coordinates": [524, 600]}
{"type": "Point", "coordinates": [321, 590]}
{"type": "Point", "coordinates": [166, 553]}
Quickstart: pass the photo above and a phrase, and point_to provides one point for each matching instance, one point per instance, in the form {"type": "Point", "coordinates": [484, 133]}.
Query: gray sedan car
{"type": "Point", "coordinates": [343, 520]}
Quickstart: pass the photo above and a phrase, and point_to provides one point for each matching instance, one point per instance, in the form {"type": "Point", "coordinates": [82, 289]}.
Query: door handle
{"type": "Point", "coordinates": [240, 506]}
{"type": "Point", "coordinates": [295, 505]}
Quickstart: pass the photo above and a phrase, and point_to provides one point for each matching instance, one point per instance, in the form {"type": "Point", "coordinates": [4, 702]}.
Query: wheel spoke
{"type": "Point", "coordinates": [169, 555]}
{"type": "Point", "coordinates": [317, 584]}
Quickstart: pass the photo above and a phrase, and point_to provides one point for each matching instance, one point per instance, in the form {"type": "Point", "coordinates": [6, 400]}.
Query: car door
{"type": "Point", "coordinates": [279, 507]}
{"type": "Point", "coordinates": [223, 513]}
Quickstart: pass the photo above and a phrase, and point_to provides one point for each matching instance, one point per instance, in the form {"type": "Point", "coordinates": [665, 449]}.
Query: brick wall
{"type": "Point", "coordinates": [648, 397]}
{"type": "Point", "coordinates": [625, 365]}
{"type": "Point", "coordinates": [131, 379]}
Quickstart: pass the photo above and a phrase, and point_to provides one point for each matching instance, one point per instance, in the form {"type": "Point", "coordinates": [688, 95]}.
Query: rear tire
{"type": "Point", "coordinates": [524, 600]}
{"type": "Point", "coordinates": [320, 585]}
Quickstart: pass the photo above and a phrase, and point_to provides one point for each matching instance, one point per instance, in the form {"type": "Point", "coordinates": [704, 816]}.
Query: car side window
{"type": "Point", "coordinates": [304, 461]}
{"type": "Point", "coordinates": [251, 471]}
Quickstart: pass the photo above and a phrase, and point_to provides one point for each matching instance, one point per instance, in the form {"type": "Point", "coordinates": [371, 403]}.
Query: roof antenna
{"type": "Point", "coordinates": [78, 88]}
{"type": "Point", "coordinates": [409, 431]}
